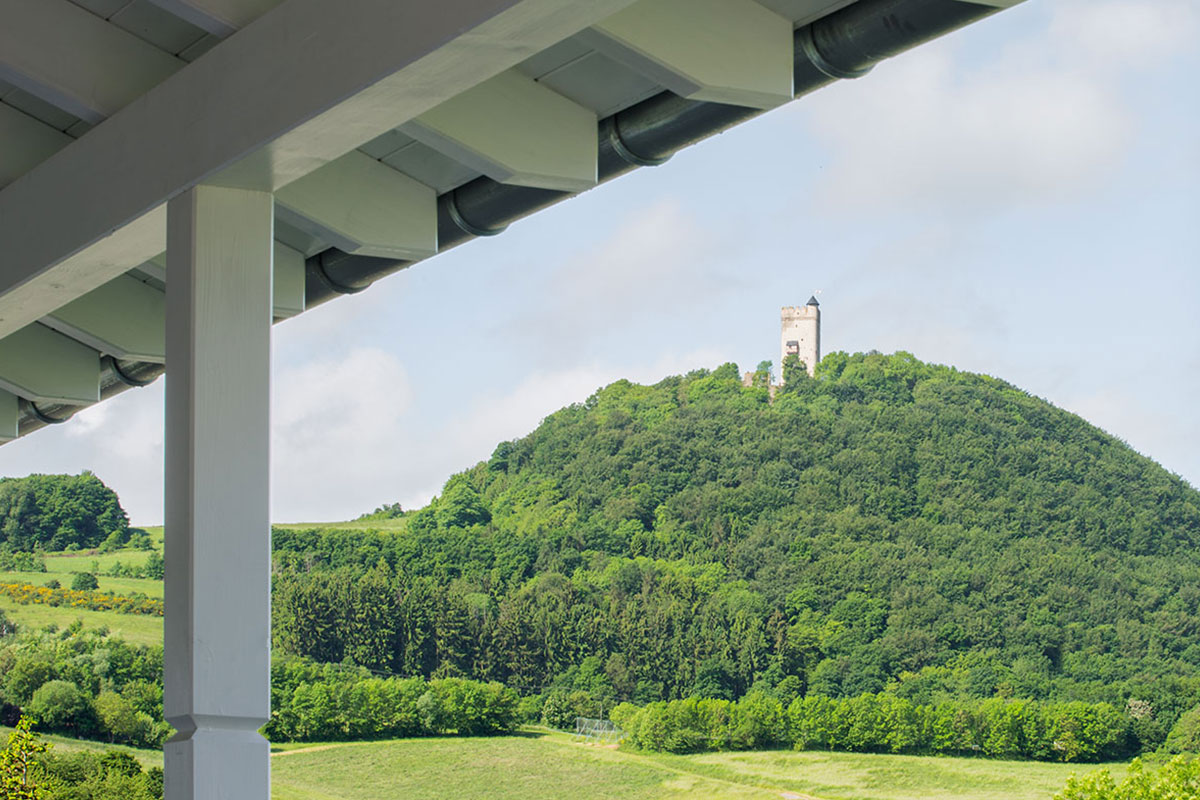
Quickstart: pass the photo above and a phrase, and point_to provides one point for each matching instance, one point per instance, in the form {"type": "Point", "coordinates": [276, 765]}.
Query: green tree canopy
{"type": "Point", "coordinates": [55, 511]}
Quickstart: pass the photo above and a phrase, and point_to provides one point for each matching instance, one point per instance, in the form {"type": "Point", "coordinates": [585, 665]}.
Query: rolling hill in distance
{"type": "Point", "coordinates": [887, 525]}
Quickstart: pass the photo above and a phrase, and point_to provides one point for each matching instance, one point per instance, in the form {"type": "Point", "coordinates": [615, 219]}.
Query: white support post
{"type": "Point", "coordinates": [217, 632]}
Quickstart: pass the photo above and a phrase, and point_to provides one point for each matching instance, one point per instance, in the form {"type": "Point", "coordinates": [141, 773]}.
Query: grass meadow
{"type": "Point", "coordinates": [542, 765]}
{"type": "Point", "coordinates": [134, 628]}
{"type": "Point", "coordinates": [64, 744]}
{"type": "Point", "coordinates": [62, 567]}
{"type": "Point", "coordinates": [545, 766]}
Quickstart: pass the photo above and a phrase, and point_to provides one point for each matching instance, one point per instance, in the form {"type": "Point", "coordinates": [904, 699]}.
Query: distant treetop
{"type": "Point", "coordinates": [55, 511]}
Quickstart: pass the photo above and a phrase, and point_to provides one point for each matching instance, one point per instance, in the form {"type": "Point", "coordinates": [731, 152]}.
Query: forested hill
{"type": "Point", "coordinates": [888, 523]}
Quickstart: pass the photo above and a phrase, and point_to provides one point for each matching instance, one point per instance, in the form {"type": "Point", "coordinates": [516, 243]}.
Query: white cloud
{"type": "Point", "coordinates": [1042, 119]}
{"type": "Point", "coordinates": [338, 432]}
{"type": "Point", "coordinates": [922, 135]}
{"type": "Point", "coordinates": [656, 264]}
{"type": "Point", "coordinates": [1124, 34]}
{"type": "Point", "coordinates": [653, 253]}
{"type": "Point", "coordinates": [422, 457]}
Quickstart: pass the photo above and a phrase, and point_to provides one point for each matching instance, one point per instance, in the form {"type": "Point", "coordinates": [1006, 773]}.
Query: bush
{"type": "Point", "coordinates": [20, 561]}
{"type": "Point", "coordinates": [153, 568]}
{"type": "Point", "coordinates": [112, 775]}
{"type": "Point", "coordinates": [529, 709]}
{"type": "Point", "coordinates": [114, 541]}
{"type": "Point", "coordinates": [757, 722]}
{"type": "Point", "coordinates": [28, 672]}
{"type": "Point", "coordinates": [84, 582]}
{"type": "Point", "coordinates": [121, 720]}
{"type": "Point", "coordinates": [562, 708]}
{"type": "Point", "coordinates": [1185, 735]}
{"type": "Point", "coordinates": [61, 707]}
{"type": "Point", "coordinates": [27, 593]}
{"type": "Point", "coordinates": [140, 540]}
{"type": "Point", "coordinates": [1177, 780]}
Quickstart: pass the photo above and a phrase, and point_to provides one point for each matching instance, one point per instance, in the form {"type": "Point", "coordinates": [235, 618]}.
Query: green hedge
{"type": "Point", "coordinates": [882, 723]}
{"type": "Point", "coordinates": [361, 708]}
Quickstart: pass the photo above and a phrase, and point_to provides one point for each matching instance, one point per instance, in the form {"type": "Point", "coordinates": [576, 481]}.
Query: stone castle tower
{"type": "Point", "coordinates": [800, 334]}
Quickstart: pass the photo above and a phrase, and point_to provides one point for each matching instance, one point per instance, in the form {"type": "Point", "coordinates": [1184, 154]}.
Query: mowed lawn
{"type": "Point", "coordinates": [551, 766]}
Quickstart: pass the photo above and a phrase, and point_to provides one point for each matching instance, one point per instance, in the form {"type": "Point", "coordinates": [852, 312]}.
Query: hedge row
{"type": "Point", "coordinates": [27, 594]}
{"type": "Point", "coordinates": [379, 708]}
{"type": "Point", "coordinates": [882, 722]}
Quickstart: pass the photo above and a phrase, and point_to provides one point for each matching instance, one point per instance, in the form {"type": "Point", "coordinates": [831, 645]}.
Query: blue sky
{"type": "Point", "coordinates": [1020, 199]}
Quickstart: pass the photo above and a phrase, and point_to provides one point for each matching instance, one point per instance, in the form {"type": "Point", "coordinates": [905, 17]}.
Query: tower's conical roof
{"type": "Point", "coordinates": [812, 301]}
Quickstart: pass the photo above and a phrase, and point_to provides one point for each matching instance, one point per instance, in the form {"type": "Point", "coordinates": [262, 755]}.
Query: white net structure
{"type": "Point", "coordinates": [597, 731]}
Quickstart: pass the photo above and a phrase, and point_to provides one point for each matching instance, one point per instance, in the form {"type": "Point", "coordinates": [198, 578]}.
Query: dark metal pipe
{"type": "Point", "coordinates": [845, 44]}
{"type": "Point", "coordinates": [115, 378]}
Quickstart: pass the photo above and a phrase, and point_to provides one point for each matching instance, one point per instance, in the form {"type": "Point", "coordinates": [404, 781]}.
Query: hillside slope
{"type": "Point", "coordinates": [888, 523]}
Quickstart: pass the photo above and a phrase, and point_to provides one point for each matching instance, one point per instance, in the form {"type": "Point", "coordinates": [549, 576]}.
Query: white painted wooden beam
{"type": "Point", "coordinates": [514, 130]}
{"type": "Point", "coordinates": [123, 318]}
{"type": "Point", "coordinates": [217, 632]}
{"type": "Point", "coordinates": [287, 284]}
{"type": "Point", "coordinates": [24, 143]}
{"type": "Point", "coordinates": [10, 416]}
{"type": "Point", "coordinates": [218, 17]}
{"type": "Point", "coordinates": [44, 366]}
{"type": "Point", "coordinates": [723, 51]}
{"type": "Point", "coordinates": [364, 68]}
{"type": "Point", "coordinates": [75, 60]}
{"type": "Point", "coordinates": [360, 205]}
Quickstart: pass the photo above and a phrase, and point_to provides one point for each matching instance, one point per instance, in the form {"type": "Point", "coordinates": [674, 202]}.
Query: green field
{"type": "Point", "coordinates": [551, 765]}
{"type": "Point", "coordinates": [134, 628]}
{"type": "Point", "coordinates": [139, 628]}
{"type": "Point", "coordinates": [60, 744]}
{"type": "Point", "coordinates": [63, 566]}
{"type": "Point", "coordinates": [89, 560]}
{"type": "Point", "coordinates": [122, 586]}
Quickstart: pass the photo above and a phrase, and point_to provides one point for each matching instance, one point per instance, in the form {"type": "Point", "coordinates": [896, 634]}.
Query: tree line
{"type": "Point", "coordinates": [313, 702]}
{"type": "Point", "coordinates": [884, 723]}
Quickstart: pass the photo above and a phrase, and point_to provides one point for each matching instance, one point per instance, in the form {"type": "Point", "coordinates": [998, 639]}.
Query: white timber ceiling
{"type": "Point", "coordinates": [357, 114]}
